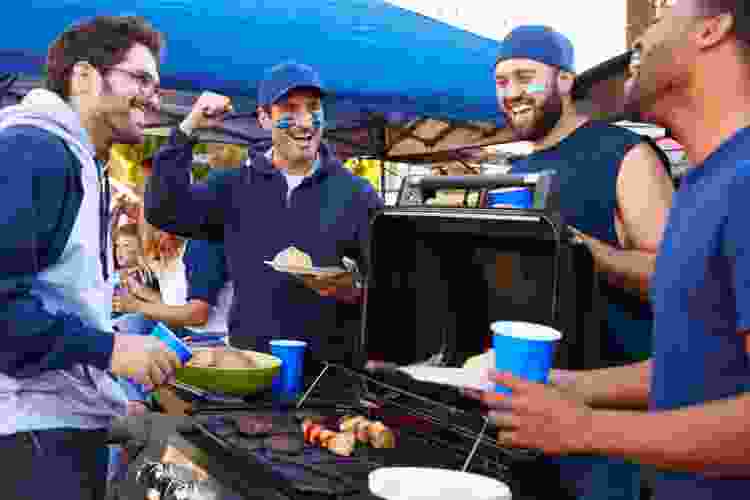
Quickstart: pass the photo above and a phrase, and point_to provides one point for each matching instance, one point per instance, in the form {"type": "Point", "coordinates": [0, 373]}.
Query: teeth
{"type": "Point", "coordinates": [521, 109]}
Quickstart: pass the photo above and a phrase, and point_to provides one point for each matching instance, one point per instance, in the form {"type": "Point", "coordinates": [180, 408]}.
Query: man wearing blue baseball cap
{"type": "Point", "coordinates": [296, 194]}
{"type": "Point", "coordinates": [615, 192]}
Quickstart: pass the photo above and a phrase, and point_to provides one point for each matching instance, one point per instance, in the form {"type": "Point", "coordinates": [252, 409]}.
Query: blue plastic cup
{"type": "Point", "coordinates": [524, 349]}
{"type": "Point", "coordinates": [515, 197]}
{"type": "Point", "coordinates": [292, 355]}
{"type": "Point", "coordinates": [166, 335]}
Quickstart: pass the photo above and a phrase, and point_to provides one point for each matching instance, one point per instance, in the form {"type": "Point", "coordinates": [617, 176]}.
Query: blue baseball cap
{"type": "Point", "coordinates": [280, 79]}
{"type": "Point", "coordinates": [538, 43]}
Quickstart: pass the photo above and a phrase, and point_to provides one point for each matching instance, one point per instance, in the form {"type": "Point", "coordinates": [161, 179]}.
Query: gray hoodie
{"type": "Point", "coordinates": [84, 397]}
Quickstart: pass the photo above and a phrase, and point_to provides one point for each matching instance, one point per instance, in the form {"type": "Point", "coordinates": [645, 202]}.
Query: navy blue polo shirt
{"type": "Point", "coordinates": [327, 216]}
{"type": "Point", "coordinates": [701, 301]}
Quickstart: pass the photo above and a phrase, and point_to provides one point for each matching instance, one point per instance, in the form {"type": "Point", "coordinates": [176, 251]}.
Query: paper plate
{"type": "Point", "coordinates": [481, 361]}
{"type": "Point", "coordinates": [421, 483]}
{"type": "Point", "coordinates": [319, 272]}
{"type": "Point", "coordinates": [469, 378]}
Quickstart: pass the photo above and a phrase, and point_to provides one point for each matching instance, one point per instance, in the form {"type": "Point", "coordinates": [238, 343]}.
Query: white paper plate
{"type": "Point", "coordinates": [470, 378]}
{"type": "Point", "coordinates": [421, 483]}
{"type": "Point", "coordinates": [320, 272]}
{"type": "Point", "coordinates": [482, 362]}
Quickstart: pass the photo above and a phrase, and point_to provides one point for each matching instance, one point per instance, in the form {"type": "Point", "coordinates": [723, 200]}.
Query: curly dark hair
{"type": "Point", "coordinates": [102, 41]}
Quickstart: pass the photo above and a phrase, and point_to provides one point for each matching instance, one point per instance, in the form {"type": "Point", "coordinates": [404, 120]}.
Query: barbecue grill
{"type": "Point", "coordinates": [438, 277]}
{"type": "Point", "coordinates": [434, 426]}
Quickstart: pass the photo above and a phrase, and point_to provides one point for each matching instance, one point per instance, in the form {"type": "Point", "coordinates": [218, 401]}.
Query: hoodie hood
{"type": "Point", "coordinates": [48, 110]}
{"type": "Point", "coordinates": [82, 397]}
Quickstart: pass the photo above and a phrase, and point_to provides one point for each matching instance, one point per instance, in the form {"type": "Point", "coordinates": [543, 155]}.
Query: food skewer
{"type": "Point", "coordinates": [370, 432]}
{"type": "Point", "coordinates": [340, 443]}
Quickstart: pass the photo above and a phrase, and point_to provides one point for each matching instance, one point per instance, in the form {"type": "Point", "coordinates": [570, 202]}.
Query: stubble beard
{"type": "Point", "coordinates": [118, 135]}
{"type": "Point", "coordinates": [547, 116]}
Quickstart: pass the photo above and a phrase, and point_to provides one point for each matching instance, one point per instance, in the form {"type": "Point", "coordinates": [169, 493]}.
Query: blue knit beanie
{"type": "Point", "coordinates": [538, 43]}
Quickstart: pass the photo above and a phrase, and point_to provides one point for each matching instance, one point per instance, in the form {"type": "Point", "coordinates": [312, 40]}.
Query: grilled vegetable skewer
{"type": "Point", "coordinates": [369, 432]}
{"type": "Point", "coordinates": [340, 443]}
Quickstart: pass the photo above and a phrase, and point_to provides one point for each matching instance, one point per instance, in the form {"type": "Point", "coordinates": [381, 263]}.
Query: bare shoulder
{"type": "Point", "coordinates": [644, 196]}
{"type": "Point", "coordinates": [644, 154]}
{"type": "Point", "coordinates": [642, 164]}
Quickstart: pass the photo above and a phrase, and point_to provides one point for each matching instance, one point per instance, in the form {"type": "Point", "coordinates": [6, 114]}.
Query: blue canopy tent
{"type": "Point", "coordinates": [386, 67]}
{"type": "Point", "coordinates": [404, 87]}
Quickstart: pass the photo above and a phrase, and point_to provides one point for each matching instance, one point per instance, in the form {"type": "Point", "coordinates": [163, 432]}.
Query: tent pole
{"type": "Point", "coordinates": [382, 178]}
{"type": "Point", "coordinates": [378, 147]}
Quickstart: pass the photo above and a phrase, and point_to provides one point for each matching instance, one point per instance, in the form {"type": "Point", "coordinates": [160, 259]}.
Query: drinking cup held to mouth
{"type": "Point", "coordinates": [524, 349]}
{"type": "Point", "coordinates": [292, 355]}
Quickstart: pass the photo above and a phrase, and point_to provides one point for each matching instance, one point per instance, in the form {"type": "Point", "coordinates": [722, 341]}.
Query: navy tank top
{"type": "Point", "coordinates": [588, 163]}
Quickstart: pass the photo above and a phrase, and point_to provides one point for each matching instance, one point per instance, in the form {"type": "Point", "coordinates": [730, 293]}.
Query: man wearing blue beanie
{"type": "Point", "coordinates": [615, 192]}
{"type": "Point", "coordinates": [693, 77]}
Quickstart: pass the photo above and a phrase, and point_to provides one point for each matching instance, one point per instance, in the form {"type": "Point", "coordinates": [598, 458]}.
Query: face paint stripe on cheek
{"type": "Point", "coordinates": [503, 92]}
{"type": "Point", "coordinates": [536, 88]}
{"type": "Point", "coordinates": [286, 120]}
{"type": "Point", "coordinates": [318, 119]}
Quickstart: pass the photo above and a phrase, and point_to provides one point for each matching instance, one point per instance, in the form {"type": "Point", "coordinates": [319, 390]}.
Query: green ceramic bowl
{"type": "Point", "coordinates": [237, 382]}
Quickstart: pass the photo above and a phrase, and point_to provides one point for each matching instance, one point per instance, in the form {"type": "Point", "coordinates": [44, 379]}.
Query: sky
{"type": "Point", "coordinates": [596, 27]}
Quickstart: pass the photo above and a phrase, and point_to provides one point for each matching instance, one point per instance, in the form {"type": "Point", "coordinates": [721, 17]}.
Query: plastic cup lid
{"type": "Point", "coordinates": [509, 190]}
{"type": "Point", "coordinates": [525, 331]}
{"type": "Point", "coordinates": [421, 483]}
{"type": "Point", "coordinates": [289, 343]}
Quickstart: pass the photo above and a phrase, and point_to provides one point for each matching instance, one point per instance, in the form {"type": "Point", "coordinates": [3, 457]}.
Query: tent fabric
{"type": "Point", "coordinates": [404, 87]}
{"type": "Point", "coordinates": [420, 140]}
{"type": "Point", "coordinates": [374, 56]}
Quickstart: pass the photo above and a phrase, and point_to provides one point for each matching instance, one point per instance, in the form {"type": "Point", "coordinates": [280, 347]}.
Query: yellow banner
{"type": "Point", "coordinates": [369, 169]}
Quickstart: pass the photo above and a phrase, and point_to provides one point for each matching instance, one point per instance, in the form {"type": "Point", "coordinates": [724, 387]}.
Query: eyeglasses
{"type": "Point", "coordinates": [146, 83]}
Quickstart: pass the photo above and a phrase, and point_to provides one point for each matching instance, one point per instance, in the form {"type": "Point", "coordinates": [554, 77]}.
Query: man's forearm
{"type": "Point", "coordinates": [712, 439]}
{"type": "Point", "coordinates": [172, 203]}
{"type": "Point", "coordinates": [624, 387]}
{"type": "Point", "coordinates": [630, 270]}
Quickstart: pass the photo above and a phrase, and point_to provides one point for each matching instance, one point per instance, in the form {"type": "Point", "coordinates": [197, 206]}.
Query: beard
{"type": "Point", "coordinates": [544, 118]}
{"type": "Point", "coordinates": [121, 125]}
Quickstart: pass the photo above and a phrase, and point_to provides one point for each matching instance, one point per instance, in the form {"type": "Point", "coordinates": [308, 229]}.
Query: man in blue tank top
{"type": "Point", "coordinates": [694, 78]}
{"type": "Point", "coordinates": [613, 189]}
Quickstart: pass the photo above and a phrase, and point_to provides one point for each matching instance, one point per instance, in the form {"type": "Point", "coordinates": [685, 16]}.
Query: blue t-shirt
{"type": "Point", "coordinates": [701, 300]}
{"type": "Point", "coordinates": [205, 270]}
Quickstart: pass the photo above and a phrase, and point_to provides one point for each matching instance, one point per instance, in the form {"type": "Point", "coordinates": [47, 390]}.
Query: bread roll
{"type": "Point", "coordinates": [203, 358]}
{"type": "Point", "coordinates": [293, 257]}
{"type": "Point", "coordinates": [230, 360]}
{"type": "Point", "coordinates": [220, 357]}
